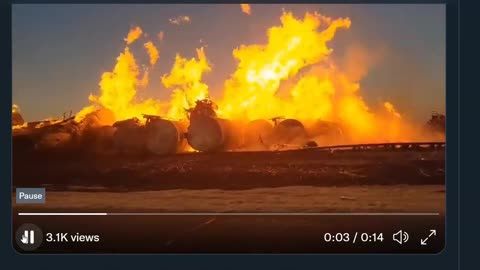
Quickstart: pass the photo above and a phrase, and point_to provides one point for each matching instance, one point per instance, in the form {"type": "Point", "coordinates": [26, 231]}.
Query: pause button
{"type": "Point", "coordinates": [28, 237]}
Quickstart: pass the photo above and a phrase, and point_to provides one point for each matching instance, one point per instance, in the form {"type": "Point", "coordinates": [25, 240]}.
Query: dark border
{"type": "Point", "coordinates": [448, 259]}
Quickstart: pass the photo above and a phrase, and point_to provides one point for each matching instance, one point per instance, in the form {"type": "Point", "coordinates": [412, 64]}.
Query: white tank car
{"type": "Point", "coordinates": [60, 135]}
{"type": "Point", "coordinates": [129, 137]}
{"type": "Point", "coordinates": [289, 131]}
{"type": "Point", "coordinates": [257, 134]}
{"type": "Point", "coordinates": [54, 140]}
{"type": "Point", "coordinates": [164, 136]}
{"type": "Point", "coordinates": [207, 134]}
{"type": "Point", "coordinates": [98, 139]}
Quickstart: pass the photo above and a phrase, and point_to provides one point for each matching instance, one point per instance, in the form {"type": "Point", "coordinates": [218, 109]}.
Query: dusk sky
{"type": "Point", "coordinates": [60, 51]}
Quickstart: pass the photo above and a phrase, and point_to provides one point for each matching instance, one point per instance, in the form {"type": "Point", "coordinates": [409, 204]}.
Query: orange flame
{"type": "Point", "coordinates": [292, 75]}
{"type": "Point", "coordinates": [391, 109]}
{"type": "Point", "coordinates": [251, 91]}
{"type": "Point", "coordinates": [118, 91]}
{"type": "Point", "coordinates": [246, 9]}
{"type": "Point", "coordinates": [186, 77]}
{"type": "Point", "coordinates": [133, 35]}
{"type": "Point", "coordinates": [152, 52]}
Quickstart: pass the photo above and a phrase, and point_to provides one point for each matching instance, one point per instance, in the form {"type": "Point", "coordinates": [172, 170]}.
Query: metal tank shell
{"type": "Point", "coordinates": [54, 140]}
{"type": "Point", "coordinates": [164, 136]}
{"type": "Point", "coordinates": [98, 139]}
{"type": "Point", "coordinates": [129, 137]}
{"type": "Point", "coordinates": [60, 135]}
{"type": "Point", "coordinates": [289, 131]}
{"type": "Point", "coordinates": [207, 134]}
{"type": "Point", "coordinates": [257, 134]}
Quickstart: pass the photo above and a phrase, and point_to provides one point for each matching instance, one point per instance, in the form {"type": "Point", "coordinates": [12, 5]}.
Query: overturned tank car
{"type": "Point", "coordinates": [97, 132]}
{"type": "Point", "coordinates": [98, 139]}
{"type": "Point", "coordinates": [257, 134]}
{"type": "Point", "coordinates": [129, 137]}
{"type": "Point", "coordinates": [289, 132]}
{"type": "Point", "coordinates": [164, 136]}
{"type": "Point", "coordinates": [208, 133]}
{"type": "Point", "coordinates": [59, 135]}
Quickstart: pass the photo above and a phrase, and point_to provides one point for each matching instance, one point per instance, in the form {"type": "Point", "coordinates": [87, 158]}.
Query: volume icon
{"type": "Point", "coordinates": [400, 237]}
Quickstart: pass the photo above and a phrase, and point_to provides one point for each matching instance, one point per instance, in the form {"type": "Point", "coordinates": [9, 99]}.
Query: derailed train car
{"type": "Point", "coordinates": [157, 136]}
{"type": "Point", "coordinates": [204, 131]}
{"type": "Point", "coordinates": [278, 133]}
{"type": "Point", "coordinates": [129, 137]}
{"type": "Point", "coordinates": [257, 135]}
{"type": "Point", "coordinates": [208, 134]}
{"type": "Point", "coordinates": [43, 136]}
{"type": "Point", "coordinates": [290, 132]}
{"type": "Point", "coordinates": [164, 136]}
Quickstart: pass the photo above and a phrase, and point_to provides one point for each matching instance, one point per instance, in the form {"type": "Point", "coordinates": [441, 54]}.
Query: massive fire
{"type": "Point", "coordinates": [251, 92]}
{"type": "Point", "coordinates": [118, 92]}
{"type": "Point", "coordinates": [186, 75]}
{"type": "Point", "coordinates": [292, 76]}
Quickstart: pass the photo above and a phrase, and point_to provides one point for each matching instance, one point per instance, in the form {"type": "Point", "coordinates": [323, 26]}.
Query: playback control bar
{"type": "Point", "coordinates": [229, 233]}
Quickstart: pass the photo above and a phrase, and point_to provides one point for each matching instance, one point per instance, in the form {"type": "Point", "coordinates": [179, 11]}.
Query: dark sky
{"type": "Point", "coordinates": [60, 51]}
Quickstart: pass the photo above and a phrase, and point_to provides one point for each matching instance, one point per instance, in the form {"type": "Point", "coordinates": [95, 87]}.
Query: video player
{"type": "Point", "coordinates": [214, 128]}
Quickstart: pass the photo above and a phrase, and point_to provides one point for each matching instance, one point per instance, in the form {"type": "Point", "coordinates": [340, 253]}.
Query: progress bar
{"type": "Point", "coordinates": [229, 214]}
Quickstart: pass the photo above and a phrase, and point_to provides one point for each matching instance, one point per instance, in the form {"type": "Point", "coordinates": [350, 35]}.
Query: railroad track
{"type": "Point", "coordinates": [399, 146]}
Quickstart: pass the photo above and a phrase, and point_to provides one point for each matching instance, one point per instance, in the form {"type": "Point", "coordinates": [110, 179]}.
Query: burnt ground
{"type": "Point", "coordinates": [228, 170]}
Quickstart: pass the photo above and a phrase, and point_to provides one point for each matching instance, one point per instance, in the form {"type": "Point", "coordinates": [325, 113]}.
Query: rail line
{"type": "Point", "coordinates": [398, 146]}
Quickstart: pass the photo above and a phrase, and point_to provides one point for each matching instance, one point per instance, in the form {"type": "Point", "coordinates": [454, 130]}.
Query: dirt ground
{"type": "Point", "coordinates": [228, 170]}
{"type": "Point", "coordinates": [289, 181]}
{"type": "Point", "coordinates": [399, 198]}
